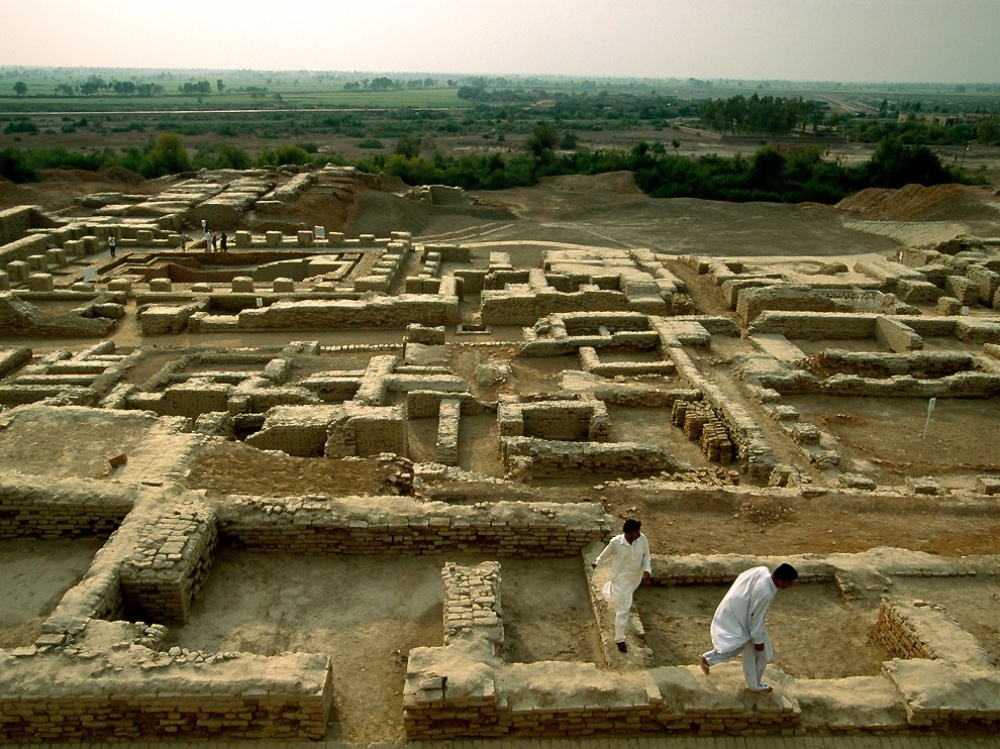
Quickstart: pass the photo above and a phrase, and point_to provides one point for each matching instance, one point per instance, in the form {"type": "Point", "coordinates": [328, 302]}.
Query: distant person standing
{"type": "Point", "coordinates": [739, 623]}
{"type": "Point", "coordinates": [215, 239]}
{"type": "Point", "coordinates": [112, 245]}
{"type": "Point", "coordinates": [206, 241]}
{"type": "Point", "coordinates": [224, 242]}
{"type": "Point", "coordinates": [630, 567]}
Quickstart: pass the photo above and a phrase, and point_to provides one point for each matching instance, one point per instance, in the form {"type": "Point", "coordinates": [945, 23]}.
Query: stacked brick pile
{"type": "Point", "coordinates": [472, 602]}
{"type": "Point", "coordinates": [701, 424]}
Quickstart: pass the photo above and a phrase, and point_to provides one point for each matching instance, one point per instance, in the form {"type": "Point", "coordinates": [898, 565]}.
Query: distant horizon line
{"type": "Point", "coordinates": [561, 76]}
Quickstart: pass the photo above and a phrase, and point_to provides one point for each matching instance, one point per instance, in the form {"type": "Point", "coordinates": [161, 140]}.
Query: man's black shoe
{"type": "Point", "coordinates": [621, 647]}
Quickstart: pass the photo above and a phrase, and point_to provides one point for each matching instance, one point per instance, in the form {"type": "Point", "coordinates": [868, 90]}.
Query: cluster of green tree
{"type": "Point", "coordinates": [761, 114]}
{"type": "Point", "coordinates": [20, 125]}
{"type": "Point", "coordinates": [383, 83]}
{"type": "Point", "coordinates": [985, 131]}
{"type": "Point", "coordinates": [95, 85]}
{"type": "Point", "coordinates": [774, 176]}
{"type": "Point", "coordinates": [769, 175]}
{"type": "Point", "coordinates": [195, 88]}
{"type": "Point", "coordinates": [162, 155]}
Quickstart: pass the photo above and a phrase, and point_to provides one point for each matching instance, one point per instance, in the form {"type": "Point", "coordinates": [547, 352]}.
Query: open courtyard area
{"type": "Point", "coordinates": [307, 454]}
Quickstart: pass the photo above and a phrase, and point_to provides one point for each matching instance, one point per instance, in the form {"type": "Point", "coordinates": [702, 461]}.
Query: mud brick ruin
{"type": "Point", "coordinates": [461, 377]}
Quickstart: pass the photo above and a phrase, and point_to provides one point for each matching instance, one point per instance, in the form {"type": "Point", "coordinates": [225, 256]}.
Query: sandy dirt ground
{"type": "Point", "coordinates": [811, 628]}
{"type": "Point", "coordinates": [974, 603]}
{"type": "Point", "coordinates": [61, 445]}
{"type": "Point", "coordinates": [34, 575]}
{"type": "Point", "coordinates": [368, 612]}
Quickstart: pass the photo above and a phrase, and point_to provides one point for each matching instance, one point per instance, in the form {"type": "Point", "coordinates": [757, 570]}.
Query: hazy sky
{"type": "Point", "coordinates": [948, 41]}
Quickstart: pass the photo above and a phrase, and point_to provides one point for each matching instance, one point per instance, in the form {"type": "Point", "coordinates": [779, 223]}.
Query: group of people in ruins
{"type": "Point", "coordinates": [211, 242]}
{"type": "Point", "coordinates": [738, 626]}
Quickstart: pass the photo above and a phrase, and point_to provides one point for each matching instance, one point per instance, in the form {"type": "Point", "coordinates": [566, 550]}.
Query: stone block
{"type": "Point", "coordinates": [923, 485]}
{"type": "Point", "coordinates": [273, 238]}
{"type": "Point", "coordinates": [74, 248]}
{"type": "Point", "coordinates": [304, 238]}
{"type": "Point", "coordinates": [38, 263]}
{"type": "Point", "coordinates": [283, 285]}
{"type": "Point", "coordinates": [18, 270]}
{"type": "Point", "coordinates": [911, 291]}
{"type": "Point", "coordinates": [857, 481]}
{"type": "Point", "coordinates": [120, 284]}
{"type": "Point", "coordinates": [41, 282]}
{"type": "Point", "coordinates": [948, 305]}
{"type": "Point", "coordinates": [56, 257]}
{"type": "Point", "coordinates": [432, 336]}
{"type": "Point", "coordinates": [243, 284]}
{"type": "Point", "coordinates": [243, 239]}
{"type": "Point", "coordinates": [962, 288]}
{"type": "Point", "coordinates": [988, 484]}
{"type": "Point", "coordinates": [160, 284]}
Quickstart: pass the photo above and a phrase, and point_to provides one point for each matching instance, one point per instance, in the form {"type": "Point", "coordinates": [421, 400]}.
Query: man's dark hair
{"type": "Point", "coordinates": [631, 525]}
{"type": "Point", "coordinates": [786, 572]}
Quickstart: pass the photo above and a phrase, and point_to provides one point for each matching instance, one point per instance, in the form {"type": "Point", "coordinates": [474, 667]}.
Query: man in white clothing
{"type": "Point", "coordinates": [739, 627]}
{"type": "Point", "coordinates": [630, 567]}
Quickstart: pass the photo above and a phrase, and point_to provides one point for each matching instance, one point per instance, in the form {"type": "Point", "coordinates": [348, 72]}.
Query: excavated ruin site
{"type": "Point", "coordinates": [345, 480]}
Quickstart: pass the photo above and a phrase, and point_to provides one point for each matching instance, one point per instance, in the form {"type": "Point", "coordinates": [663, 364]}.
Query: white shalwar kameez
{"type": "Point", "coordinates": [628, 562]}
{"type": "Point", "coordinates": [738, 625]}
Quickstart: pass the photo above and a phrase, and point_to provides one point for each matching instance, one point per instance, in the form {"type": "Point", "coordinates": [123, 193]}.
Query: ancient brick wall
{"type": "Point", "coordinates": [326, 527]}
{"type": "Point", "coordinates": [33, 509]}
{"type": "Point", "coordinates": [155, 695]}
{"type": "Point", "coordinates": [815, 326]}
{"type": "Point", "coordinates": [555, 457]}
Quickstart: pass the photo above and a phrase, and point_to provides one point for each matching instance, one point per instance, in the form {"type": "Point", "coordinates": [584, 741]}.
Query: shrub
{"type": "Point", "coordinates": [21, 126]}
{"type": "Point", "coordinates": [14, 167]}
{"type": "Point", "coordinates": [166, 155]}
{"type": "Point", "coordinates": [283, 155]}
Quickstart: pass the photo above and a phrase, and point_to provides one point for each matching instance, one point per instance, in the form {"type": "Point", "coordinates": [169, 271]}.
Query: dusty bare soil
{"type": "Point", "coordinates": [811, 627]}
{"type": "Point", "coordinates": [34, 575]}
{"type": "Point", "coordinates": [45, 442]}
{"type": "Point", "coordinates": [367, 613]}
{"type": "Point", "coordinates": [885, 436]}
{"type": "Point", "coordinates": [974, 603]}
{"type": "Point", "coordinates": [236, 468]}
